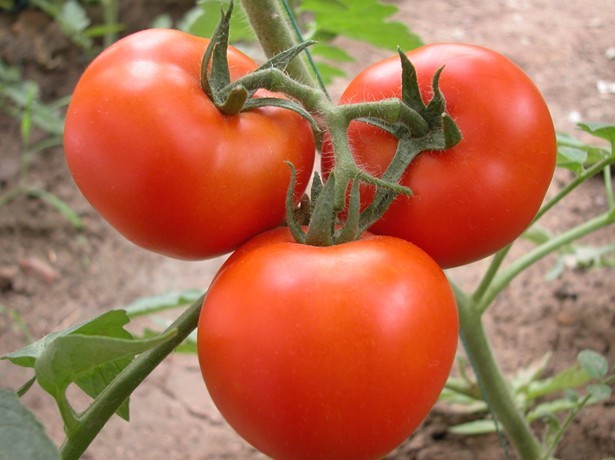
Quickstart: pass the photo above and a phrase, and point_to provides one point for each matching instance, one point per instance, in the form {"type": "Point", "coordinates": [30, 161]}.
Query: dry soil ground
{"type": "Point", "coordinates": [54, 276]}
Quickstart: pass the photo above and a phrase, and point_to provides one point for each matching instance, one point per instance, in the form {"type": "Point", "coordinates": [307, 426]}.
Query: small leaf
{"type": "Point", "coordinates": [329, 72]}
{"type": "Point", "coordinates": [71, 358]}
{"type": "Point", "coordinates": [73, 17]}
{"type": "Point", "coordinates": [109, 323]}
{"type": "Point", "coordinates": [21, 435]}
{"type": "Point", "coordinates": [332, 52]}
{"type": "Point", "coordinates": [203, 19]}
{"type": "Point", "coordinates": [602, 130]}
{"type": "Point", "coordinates": [162, 302]}
{"type": "Point", "coordinates": [572, 377]}
{"type": "Point", "coordinates": [162, 21]}
{"type": "Point", "coordinates": [571, 395]}
{"type": "Point", "coordinates": [474, 428]}
{"type": "Point", "coordinates": [550, 408]}
{"type": "Point", "coordinates": [61, 206]}
{"type": "Point", "coordinates": [593, 363]}
{"type": "Point", "coordinates": [537, 234]}
{"type": "Point", "coordinates": [529, 374]}
{"type": "Point", "coordinates": [599, 392]}
{"type": "Point", "coordinates": [363, 20]}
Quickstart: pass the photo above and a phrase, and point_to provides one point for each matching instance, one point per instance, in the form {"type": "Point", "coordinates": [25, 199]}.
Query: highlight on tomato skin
{"type": "Point", "coordinates": [153, 155]}
{"type": "Point", "coordinates": [327, 352]}
{"type": "Point", "coordinates": [476, 198]}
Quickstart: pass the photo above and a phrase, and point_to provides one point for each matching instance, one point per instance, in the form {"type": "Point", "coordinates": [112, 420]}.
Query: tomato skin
{"type": "Point", "coordinates": [479, 196]}
{"type": "Point", "coordinates": [158, 161]}
{"type": "Point", "coordinates": [336, 352]}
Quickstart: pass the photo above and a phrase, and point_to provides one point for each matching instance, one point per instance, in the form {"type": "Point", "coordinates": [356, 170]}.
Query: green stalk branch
{"type": "Point", "coordinates": [608, 185]}
{"type": "Point", "coordinates": [275, 34]}
{"type": "Point", "coordinates": [493, 383]}
{"type": "Point", "coordinates": [94, 418]}
{"type": "Point", "coordinates": [590, 172]}
{"type": "Point", "coordinates": [511, 271]}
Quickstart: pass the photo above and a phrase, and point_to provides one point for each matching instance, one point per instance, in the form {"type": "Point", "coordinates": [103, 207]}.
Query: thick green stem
{"type": "Point", "coordinates": [104, 406]}
{"type": "Point", "coordinates": [275, 34]}
{"type": "Point", "coordinates": [497, 392]}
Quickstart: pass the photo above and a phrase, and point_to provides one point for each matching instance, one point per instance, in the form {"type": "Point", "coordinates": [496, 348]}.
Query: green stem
{"type": "Point", "coordinates": [497, 392]}
{"type": "Point", "coordinates": [110, 14]}
{"type": "Point", "coordinates": [608, 185]}
{"type": "Point", "coordinates": [104, 406]}
{"type": "Point", "coordinates": [511, 271]}
{"type": "Point", "coordinates": [275, 34]}
{"type": "Point", "coordinates": [491, 272]}
{"type": "Point", "coordinates": [590, 172]}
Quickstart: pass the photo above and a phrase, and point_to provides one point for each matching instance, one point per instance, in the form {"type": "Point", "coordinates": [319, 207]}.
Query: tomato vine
{"type": "Point", "coordinates": [339, 223]}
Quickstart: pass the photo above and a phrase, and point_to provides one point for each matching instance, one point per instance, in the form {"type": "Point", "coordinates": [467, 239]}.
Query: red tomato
{"type": "Point", "coordinates": [327, 352]}
{"type": "Point", "coordinates": [154, 156]}
{"type": "Point", "coordinates": [476, 198]}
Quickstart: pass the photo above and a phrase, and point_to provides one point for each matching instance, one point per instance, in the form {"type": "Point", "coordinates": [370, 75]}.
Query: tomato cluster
{"type": "Point", "coordinates": [307, 351]}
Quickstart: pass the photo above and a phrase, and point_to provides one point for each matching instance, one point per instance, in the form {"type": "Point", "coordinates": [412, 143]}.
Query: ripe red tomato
{"type": "Point", "coordinates": [154, 156]}
{"type": "Point", "coordinates": [327, 352]}
{"type": "Point", "coordinates": [477, 197]}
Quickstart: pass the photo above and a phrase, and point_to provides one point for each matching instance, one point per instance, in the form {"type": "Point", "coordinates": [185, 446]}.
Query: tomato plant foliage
{"type": "Point", "coordinates": [477, 197]}
{"type": "Point", "coordinates": [327, 352]}
{"type": "Point", "coordinates": [156, 158]}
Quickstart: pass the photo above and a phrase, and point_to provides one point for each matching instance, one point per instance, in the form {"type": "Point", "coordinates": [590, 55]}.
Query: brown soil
{"type": "Point", "coordinates": [54, 276]}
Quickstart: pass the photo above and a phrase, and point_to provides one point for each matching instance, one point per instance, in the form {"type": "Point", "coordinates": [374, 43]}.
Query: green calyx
{"type": "Point", "coordinates": [335, 214]}
{"type": "Point", "coordinates": [418, 127]}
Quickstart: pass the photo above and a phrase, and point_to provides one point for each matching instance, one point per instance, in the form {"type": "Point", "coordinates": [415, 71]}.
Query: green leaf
{"type": "Point", "coordinates": [602, 130]}
{"type": "Point", "coordinates": [167, 301]}
{"type": "Point", "coordinates": [73, 21]}
{"type": "Point", "coordinates": [73, 17]}
{"type": "Point", "coordinates": [575, 155]}
{"type": "Point", "coordinates": [591, 256]}
{"type": "Point", "coordinates": [529, 374]}
{"type": "Point", "coordinates": [572, 377]}
{"type": "Point", "coordinates": [363, 20]}
{"type": "Point", "coordinates": [332, 52]}
{"type": "Point", "coordinates": [15, 94]}
{"type": "Point", "coordinates": [593, 363]}
{"type": "Point", "coordinates": [599, 392]}
{"type": "Point", "coordinates": [550, 408]}
{"type": "Point", "coordinates": [537, 234]}
{"type": "Point", "coordinates": [474, 428]}
{"type": "Point", "coordinates": [61, 206]}
{"type": "Point", "coordinates": [109, 323]}
{"type": "Point", "coordinates": [329, 72]}
{"type": "Point", "coordinates": [203, 19]}
{"type": "Point", "coordinates": [72, 358]}
{"type": "Point", "coordinates": [163, 21]}
{"type": "Point", "coordinates": [21, 435]}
